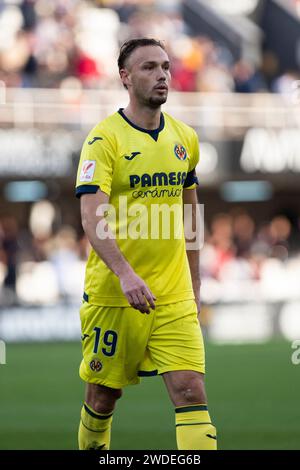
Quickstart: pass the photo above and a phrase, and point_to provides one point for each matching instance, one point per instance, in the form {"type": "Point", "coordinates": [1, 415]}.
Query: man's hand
{"type": "Point", "coordinates": [136, 291]}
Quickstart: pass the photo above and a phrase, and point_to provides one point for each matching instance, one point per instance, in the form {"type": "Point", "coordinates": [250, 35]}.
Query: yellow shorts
{"type": "Point", "coordinates": [120, 344]}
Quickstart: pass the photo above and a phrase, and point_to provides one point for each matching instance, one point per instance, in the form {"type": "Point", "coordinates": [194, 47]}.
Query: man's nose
{"type": "Point", "coordinates": [162, 74]}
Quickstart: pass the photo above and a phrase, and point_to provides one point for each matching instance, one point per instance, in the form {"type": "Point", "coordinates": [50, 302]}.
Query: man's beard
{"type": "Point", "coordinates": [155, 103]}
{"type": "Point", "coordinates": [152, 102]}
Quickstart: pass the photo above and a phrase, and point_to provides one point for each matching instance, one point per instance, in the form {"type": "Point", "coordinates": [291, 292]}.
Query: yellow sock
{"type": "Point", "coordinates": [194, 430]}
{"type": "Point", "coordinates": [94, 429]}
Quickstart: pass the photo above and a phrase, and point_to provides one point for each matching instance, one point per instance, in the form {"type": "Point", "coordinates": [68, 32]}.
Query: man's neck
{"type": "Point", "coordinates": [146, 118]}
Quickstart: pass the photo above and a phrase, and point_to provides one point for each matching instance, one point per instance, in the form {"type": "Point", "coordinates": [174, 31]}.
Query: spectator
{"type": "Point", "coordinates": [9, 248]}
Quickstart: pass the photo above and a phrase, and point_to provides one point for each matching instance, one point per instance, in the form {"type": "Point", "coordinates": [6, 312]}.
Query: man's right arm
{"type": "Point", "coordinates": [133, 287]}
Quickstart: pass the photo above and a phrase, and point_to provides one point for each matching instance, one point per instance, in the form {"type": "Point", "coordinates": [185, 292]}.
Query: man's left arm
{"type": "Point", "coordinates": [190, 197]}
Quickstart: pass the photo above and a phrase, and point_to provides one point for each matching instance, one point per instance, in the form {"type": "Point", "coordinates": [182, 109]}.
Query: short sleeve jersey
{"type": "Point", "coordinates": [144, 173]}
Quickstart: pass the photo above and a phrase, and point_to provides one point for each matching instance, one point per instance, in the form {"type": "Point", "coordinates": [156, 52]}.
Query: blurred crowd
{"type": "Point", "coordinates": [236, 248]}
{"type": "Point", "coordinates": [75, 43]}
{"type": "Point", "coordinates": [44, 264]}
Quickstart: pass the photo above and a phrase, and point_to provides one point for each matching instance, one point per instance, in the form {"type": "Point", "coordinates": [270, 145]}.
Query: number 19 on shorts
{"type": "Point", "coordinates": [108, 343]}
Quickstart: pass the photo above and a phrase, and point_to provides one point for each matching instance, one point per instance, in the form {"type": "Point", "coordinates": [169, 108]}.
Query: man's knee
{"type": "Point", "coordinates": [186, 387]}
{"type": "Point", "coordinates": [102, 399]}
{"type": "Point", "coordinates": [192, 392]}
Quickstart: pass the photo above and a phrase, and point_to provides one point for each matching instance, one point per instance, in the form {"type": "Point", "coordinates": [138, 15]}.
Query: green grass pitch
{"type": "Point", "coordinates": [253, 395]}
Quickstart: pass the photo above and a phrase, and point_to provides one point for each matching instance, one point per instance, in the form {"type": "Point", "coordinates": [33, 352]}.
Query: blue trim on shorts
{"type": "Point", "coordinates": [147, 373]}
{"type": "Point", "coordinates": [85, 297]}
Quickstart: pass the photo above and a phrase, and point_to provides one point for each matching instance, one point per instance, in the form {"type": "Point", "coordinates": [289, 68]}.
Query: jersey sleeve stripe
{"type": "Point", "coordinates": [191, 178]}
{"type": "Point", "coordinates": [86, 189]}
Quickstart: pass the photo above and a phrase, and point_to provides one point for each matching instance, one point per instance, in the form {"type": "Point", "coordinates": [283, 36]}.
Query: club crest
{"type": "Point", "coordinates": [180, 152]}
{"type": "Point", "coordinates": [96, 365]}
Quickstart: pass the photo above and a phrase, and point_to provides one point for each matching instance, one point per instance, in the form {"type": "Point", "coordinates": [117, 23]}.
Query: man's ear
{"type": "Point", "coordinates": [125, 77]}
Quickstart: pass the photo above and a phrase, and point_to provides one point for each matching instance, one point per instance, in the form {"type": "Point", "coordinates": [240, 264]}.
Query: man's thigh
{"type": "Point", "coordinates": [176, 342]}
{"type": "Point", "coordinates": [114, 340]}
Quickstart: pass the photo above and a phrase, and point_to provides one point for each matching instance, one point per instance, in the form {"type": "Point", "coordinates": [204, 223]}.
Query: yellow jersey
{"type": "Point", "coordinates": [144, 173]}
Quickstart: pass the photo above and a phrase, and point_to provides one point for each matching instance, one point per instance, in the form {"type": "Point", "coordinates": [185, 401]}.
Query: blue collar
{"type": "Point", "coordinates": [154, 133]}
